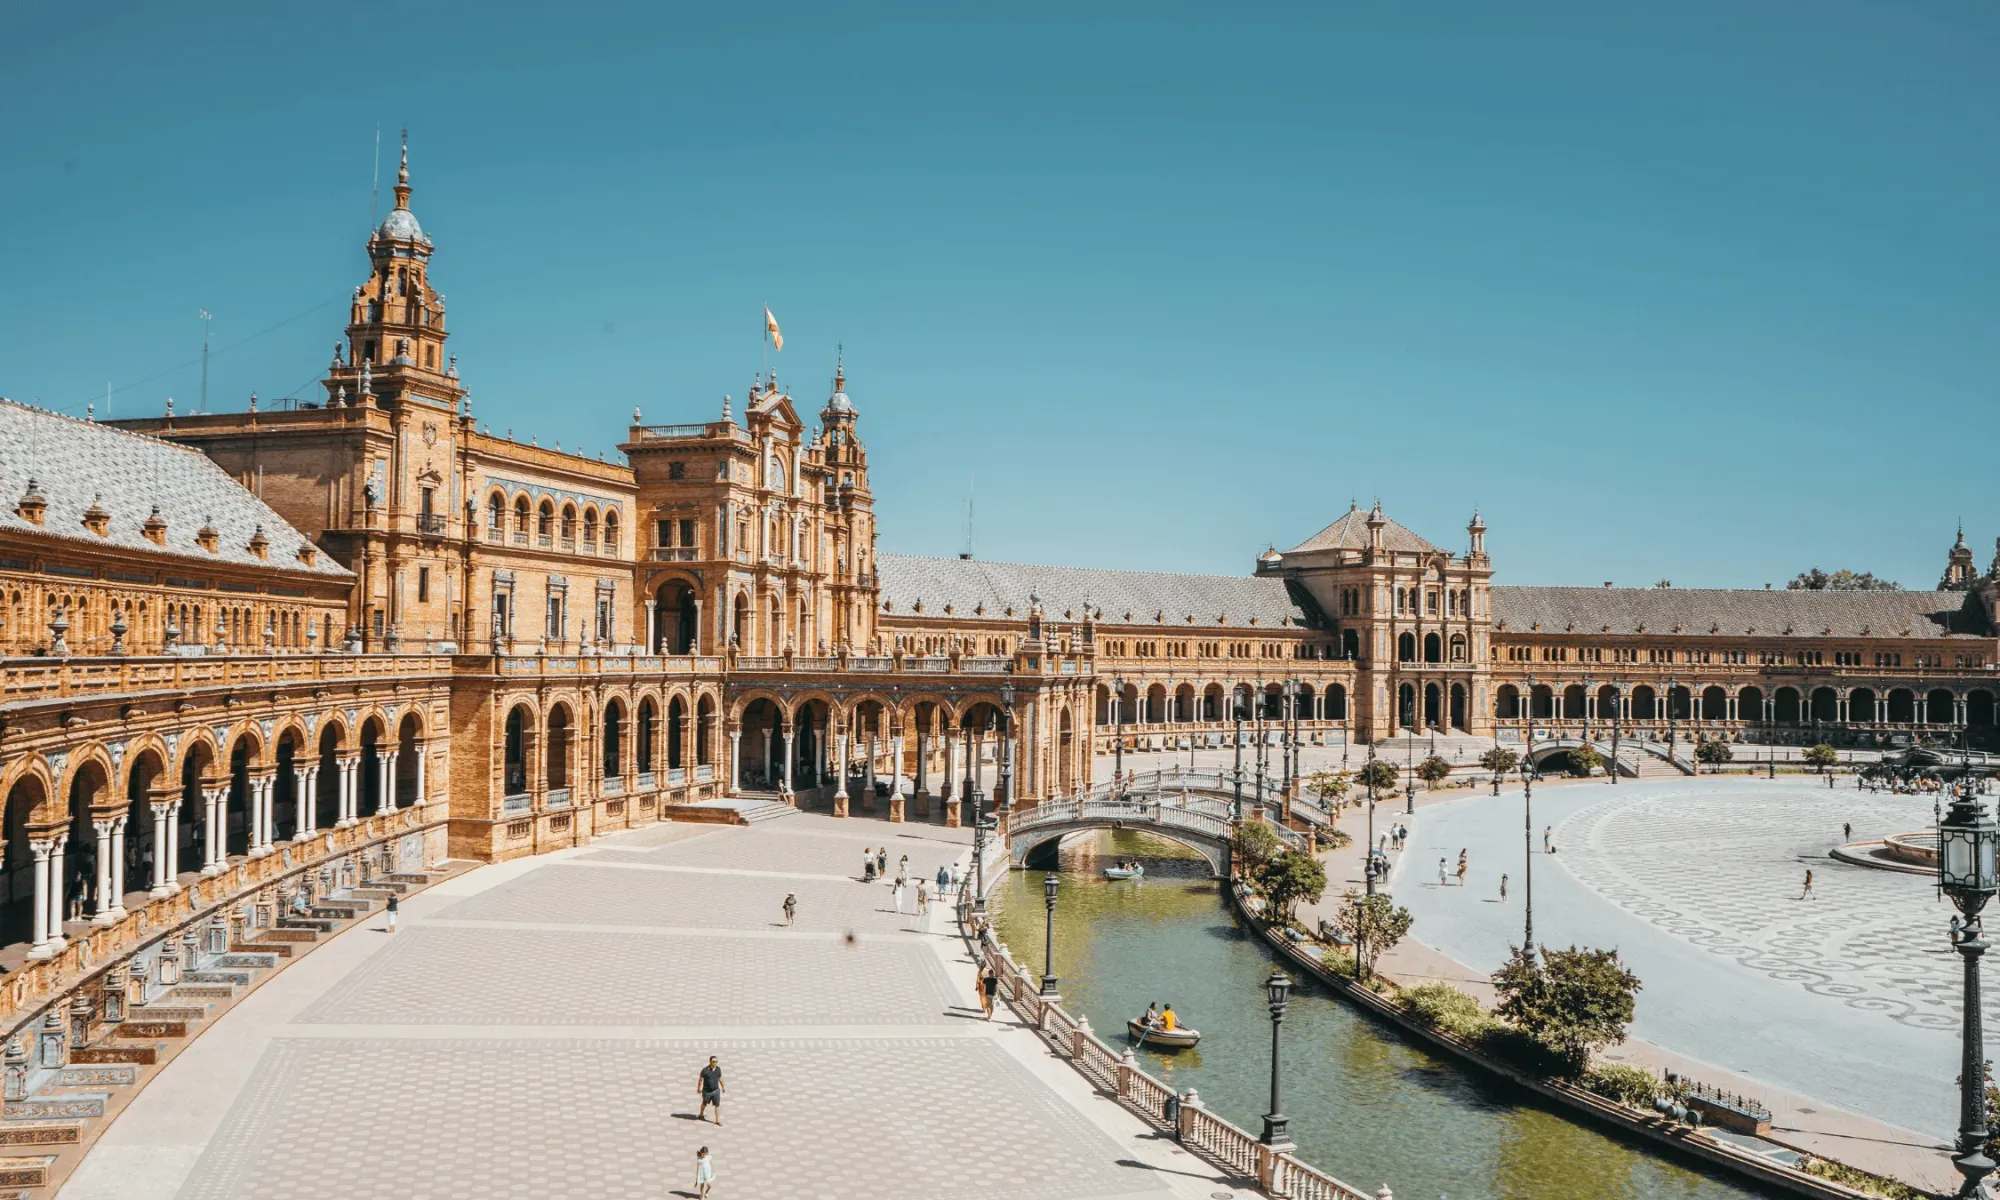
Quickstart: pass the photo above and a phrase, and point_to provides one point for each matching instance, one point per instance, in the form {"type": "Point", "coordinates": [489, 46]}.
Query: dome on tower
{"type": "Point", "coordinates": [840, 403]}
{"type": "Point", "coordinates": [401, 225]}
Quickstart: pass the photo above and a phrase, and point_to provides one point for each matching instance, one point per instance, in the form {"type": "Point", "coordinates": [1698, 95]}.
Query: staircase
{"type": "Point", "coordinates": [754, 812]}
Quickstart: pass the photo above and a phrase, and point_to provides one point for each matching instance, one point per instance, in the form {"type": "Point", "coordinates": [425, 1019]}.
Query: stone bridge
{"type": "Point", "coordinates": [1632, 758]}
{"type": "Point", "coordinates": [1197, 810]}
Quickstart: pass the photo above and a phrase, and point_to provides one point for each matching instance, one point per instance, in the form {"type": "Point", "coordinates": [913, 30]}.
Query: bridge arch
{"type": "Point", "coordinates": [1035, 849]}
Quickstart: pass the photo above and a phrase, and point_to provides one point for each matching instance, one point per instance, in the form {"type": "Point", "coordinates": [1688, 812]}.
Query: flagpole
{"type": "Point", "coordinates": [765, 321]}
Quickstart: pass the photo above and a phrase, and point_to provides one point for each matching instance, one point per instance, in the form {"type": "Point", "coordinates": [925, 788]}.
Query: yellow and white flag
{"type": "Point", "coordinates": [771, 327]}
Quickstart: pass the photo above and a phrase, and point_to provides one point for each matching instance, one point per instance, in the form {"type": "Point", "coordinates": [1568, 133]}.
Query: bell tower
{"type": "Point", "coordinates": [850, 508]}
{"type": "Point", "coordinates": [396, 323]}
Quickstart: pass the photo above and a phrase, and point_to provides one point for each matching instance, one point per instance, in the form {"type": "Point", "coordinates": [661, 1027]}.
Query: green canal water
{"type": "Point", "coordinates": [1364, 1103]}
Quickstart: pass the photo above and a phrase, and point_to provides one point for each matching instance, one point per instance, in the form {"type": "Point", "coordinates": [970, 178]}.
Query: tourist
{"type": "Point", "coordinates": [1168, 1020]}
{"type": "Point", "coordinates": [1546, 831]}
{"type": "Point", "coordinates": [897, 892]}
{"type": "Point", "coordinates": [1461, 868]}
{"type": "Point", "coordinates": [988, 985]}
{"type": "Point", "coordinates": [711, 1087]}
{"type": "Point", "coordinates": [1503, 885]}
{"type": "Point", "coordinates": [903, 869]}
{"type": "Point", "coordinates": [704, 1172]}
{"type": "Point", "coordinates": [923, 897]}
{"type": "Point", "coordinates": [882, 860]}
{"type": "Point", "coordinates": [791, 906]}
{"type": "Point", "coordinates": [1152, 1018]}
{"type": "Point", "coordinates": [867, 866]}
{"type": "Point", "coordinates": [1807, 893]}
{"type": "Point", "coordinates": [392, 913]}
{"type": "Point", "coordinates": [1847, 831]}
{"type": "Point", "coordinates": [943, 879]}
{"type": "Point", "coordinates": [1441, 873]}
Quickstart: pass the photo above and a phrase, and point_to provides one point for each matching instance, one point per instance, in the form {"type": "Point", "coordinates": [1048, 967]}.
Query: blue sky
{"type": "Point", "coordinates": [1706, 291]}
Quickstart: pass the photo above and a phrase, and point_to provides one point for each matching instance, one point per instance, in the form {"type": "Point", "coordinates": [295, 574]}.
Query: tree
{"type": "Point", "coordinates": [1817, 580]}
{"type": "Point", "coordinates": [1585, 759]}
{"type": "Point", "coordinates": [1663, 583]}
{"type": "Point", "coordinates": [1374, 926]}
{"type": "Point", "coordinates": [1329, 785]}
{"type": "Point", "coordinates": [1821, 757]}
{"type": "Point", "coordinates": [1255, 844]}
{"type": "Point", "coordinates": [1499, 760]}
{"type": "Point", "coordinates": [1289, 877]}
{"type": "Point", "coordinates": [1714, 752]}
{"type": "Point", "coordinates": [1569, 1001]}
{"type": "Point", "coordinates": [1433, 771]}
{"type": "Point", "coordinates": [1377, 776]}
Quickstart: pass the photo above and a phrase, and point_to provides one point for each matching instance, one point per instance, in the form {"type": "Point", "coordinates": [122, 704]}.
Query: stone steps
{"type": "Point", "coordinates": [769, 810]}
{"type": "Point", "coordinates": [41, 1135]}
{"type": "Point", "coordinates": [79, 1105]}
{"type": "Point", "coordinates": [28, 1171]}
{"type": "Point", "coordinates": [114, 1075]}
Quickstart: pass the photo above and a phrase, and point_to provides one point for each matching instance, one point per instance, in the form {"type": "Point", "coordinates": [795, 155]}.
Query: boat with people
{"type": "Point", "coordinates": [1160, 1037]}
{"type": "Point", "coordinates": [1126, 870]}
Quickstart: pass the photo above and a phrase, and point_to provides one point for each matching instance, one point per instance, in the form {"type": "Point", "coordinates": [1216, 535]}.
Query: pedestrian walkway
{"type": "Point", "coordinates": [1836, 1013]}
{"type": "Point", "coordinates": [534, 1028]}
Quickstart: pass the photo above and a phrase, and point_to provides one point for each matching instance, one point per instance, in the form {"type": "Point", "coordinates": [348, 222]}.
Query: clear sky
{"type": "Point", "coordinates": [1705, 290]}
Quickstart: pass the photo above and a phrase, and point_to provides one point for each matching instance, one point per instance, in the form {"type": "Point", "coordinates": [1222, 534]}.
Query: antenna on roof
{"type": "Point", "coordinates": [375, 188]}
{"type": "Point", "coordinates": [971, 491]}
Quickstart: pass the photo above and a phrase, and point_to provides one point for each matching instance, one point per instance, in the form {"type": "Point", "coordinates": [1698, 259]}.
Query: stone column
{"type": "Point", "coordinates": [786, 753]}
{"type": "Point", "coordinates": [735, 761]}
{"type": "Point", "coordinates": [350, 789]}
{"type": "Point", "coordinates": [44, 942]}
{"type": "Point", "coordinates": [306, 803]}
{"type": "Point", "coordinates": [947, 789]}
{"type": "Point", "coordinates": [423, 762]}
{"type": "Point", "coordinates": [259, 814]}
{"type": "Point", "coordinates": [113, 901]}
{"type": "Point", "coordinates": [213, 810]}
{"type": "Point", "coordinates": [840, 773]}
{"type": "Point", "coordinates": [385, 797]}
{"type": "Point", "coordinates": [163, 849]}
{"type": "Point", "coordinates": [923, 792]}
{"type": "Point", "coordinates": [54, 933]}
{"type": "Point", "coordinates": [868, 774]}
{"type": "Point", "coordinates": [652, 628]}
{"type": "Point", "coordinates": [172, 852]}
{"type": "Point", "coordinates": [896, 798]}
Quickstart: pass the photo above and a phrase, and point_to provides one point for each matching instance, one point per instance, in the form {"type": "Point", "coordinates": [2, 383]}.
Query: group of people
{"type": "Point", "coordinates": [1464, 864]}
{"type": "Point", "coordinates": [1160, 1017]}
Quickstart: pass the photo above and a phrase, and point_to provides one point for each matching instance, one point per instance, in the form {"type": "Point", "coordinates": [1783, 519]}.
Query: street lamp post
{"type": "Point", "coordinates": [1049, 943]}
{"type": "Point", "coordinates": [978, 850]}
{"type": "Point", "coordinates": [1237, 708]}
{"type": "Point", "coordinates": [1617, 721]}
{"type": "Point", "coordinates": [1368, 851]}
{"type": "Point", "coordinates": [1257, 724]}
{"type": "Point", "coordinates": [1528, 853]}
{"type": "Point", "coordinates": [1410, 777]}
{"type": "Point", "coordinates": [1006, 788]}
{"type": "Point", "coordinates": [1118, 745]}
{"type": "Point", "coordinates": [1276, 987]}
{"type": "Point", "coordinates": [1968, 841]}
{"type": "Point", "coordinates": [1360, 938]}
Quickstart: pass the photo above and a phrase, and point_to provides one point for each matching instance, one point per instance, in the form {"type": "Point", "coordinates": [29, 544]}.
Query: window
{"type": "Point", "coordinates": [677, 470]}
{"type": "Point", "coordinates": [604, 618]}
{"type": "Point", "coordinates": [503, 622]}
{"type": "Point", "coordinates": [687, 533]}
{"type": "Point", "coordinates": [496, 515]}
{"type": "Point", "coordinates": [426, 497]}
{"type": "Point", "coordinates": [423, 585]}
{"type": "Point", "coordinates": [554, 628]}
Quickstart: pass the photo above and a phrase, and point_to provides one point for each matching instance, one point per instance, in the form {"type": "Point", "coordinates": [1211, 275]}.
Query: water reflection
{"type": "Point", "coordinates": [1364, 1104]}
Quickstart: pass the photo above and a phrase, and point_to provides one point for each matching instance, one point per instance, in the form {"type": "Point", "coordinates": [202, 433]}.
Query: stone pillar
{"type": "Point", "coordinates": [923, 792]}
{"type": "Point", "coordinates": [948, 784]}
{"type": "Point", "coordinates": [785, 754]}
{"type": "Point", "coordinates": [652, 628]}
{"type": "Point", "coordinates": [115, 898]}
{"type": "Point", "coordinates": [48, 907]}
{"type": "Point", "coordinates": [163, 849]}
{"type": "Point", "coordinates": [423, 762]}
{"type": "Point", "coordinates": [840, 773]}
{"type": "Point", "coordinates": [385, 796]}
{"type": "Point", "coordinates": [257, 812]}
{"type": "Point", "coordinates": [348, 767]}
{"type": "Point", "coordinates": [897, 800]}
{"type": "Point", "coordinates": [868, 774]}
{"type": "Point", "coordinates": [307, 802]}
{"type": "Point", "coordinates": [735, 761]}
{"type": "Point", "coordinates": [172, 852]}
{"type": "Point", "coordinates": [214, 801]}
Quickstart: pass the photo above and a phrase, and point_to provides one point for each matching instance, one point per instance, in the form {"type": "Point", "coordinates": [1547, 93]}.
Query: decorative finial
{"type": "Point", "coordinates": [253, 402]}
{"type": "Point", "coordinates": [170, 407]}
{"type": "Point", "coordinates": [726, 418]}
{"type": "Point", "coordinates": [403, 171]}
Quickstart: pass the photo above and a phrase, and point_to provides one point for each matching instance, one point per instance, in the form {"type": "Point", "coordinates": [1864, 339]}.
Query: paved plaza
{"type": "Point", "coordinates": [1850, 996]}
{"type": "Point", "coordinates": [535, 1027]}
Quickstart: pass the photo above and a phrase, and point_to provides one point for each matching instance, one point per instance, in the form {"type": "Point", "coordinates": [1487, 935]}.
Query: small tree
{"type": "Point", "coordinates": [1329, 785]}
{"type": "Point", "coordinates": [1287, 878]}
{"type": "Point", "coordinates": [1255, 845]}
{"type": "Point", "coordinates": [1569, 1001]}
{"type": "Point", "coordinates": [1374, 926]}
{"type": "Point", "coordinates": [1714, 752]}
{"type": "Point", "coordinates": [1377, 776]}
{"type": "Point", "coordinates": [1821, 757]}
{"type": "Point", "coordinates": [1499, 760]}
{"type": "Point", "coordinates": [1585, 760]}
{"type": "Point", "coordinates": [1433, 771]}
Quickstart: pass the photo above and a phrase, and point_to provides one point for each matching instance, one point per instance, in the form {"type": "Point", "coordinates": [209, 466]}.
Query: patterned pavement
{"type": "Point", "coordinates": [1850, 996]}
{"type": "Point", "coordinates": [535, 1029]}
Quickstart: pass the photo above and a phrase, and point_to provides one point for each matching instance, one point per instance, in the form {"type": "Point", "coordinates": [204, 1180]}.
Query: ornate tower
{"type": "Point", "coordinates": [850, 510]}
{"type": "Point", "coordinates": [1959, 571]}
{"type": "Point", "coordinates": [396, 325]}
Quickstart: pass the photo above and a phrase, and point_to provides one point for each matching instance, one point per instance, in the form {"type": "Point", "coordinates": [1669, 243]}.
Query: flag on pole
{"type": "Point", "coordinates": [771, 327]}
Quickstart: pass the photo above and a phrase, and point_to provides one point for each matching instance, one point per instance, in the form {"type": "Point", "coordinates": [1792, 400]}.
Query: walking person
{"type": "Point", "coordinates": [903, 868]}
{"type": "Point", "coordinates": [1441, 872]}
{"type": "Point", "coordinates": [704, 1173]}
{"type": "Point", "coordinates": [923, 897]}
{"type": "Point", "coordinates": [867, 864]}
{"type": "Point", "coordinates": [1546, 831]}
{"type": "Point", "coordinates": [897, 892]}
{"type": "Point", "coordinates": [1461, 868]}
{"type": "Point", "coordinates": [1807, 892]}
{"type": "Point", "coordinates": [943, 880]}
{"type": "Point", "coordinates": [1847, 831]}
{"type": "Point", "coordinates": [882, 860]}
{"type": "Point", "coordinates": [791, 907]}
{"type": "Point", "coordinates": [988, 986]}
{"type": "Point", "coordinates": [711, 1087]}
{"type": "Point", "coordinates": [1503, 885]}
{"type": "Point", "coordinates": [392, 913]}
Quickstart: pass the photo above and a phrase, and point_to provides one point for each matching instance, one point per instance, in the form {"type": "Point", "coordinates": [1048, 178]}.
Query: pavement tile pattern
{"type": "Point", "coordinates": [566, 894]}
{"type": "Point", "coordinates": [471, 975]}
{"type": "Point", "coordinates": [807, 854]}
{"type": "Point", "coordinates": [1724, 871]}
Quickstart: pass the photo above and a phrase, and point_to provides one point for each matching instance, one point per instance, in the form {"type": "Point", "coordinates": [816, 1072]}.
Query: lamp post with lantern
{"type": "Point", "coordinates": [1049, 885]}
{"type": "Point", "coordinates": [1968, 845]}
{"type": "Point", "coordinates": [1276, 989]}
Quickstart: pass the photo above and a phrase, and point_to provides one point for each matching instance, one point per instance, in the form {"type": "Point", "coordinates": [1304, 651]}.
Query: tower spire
{"type": "Point", "coordinates": [403, 175]}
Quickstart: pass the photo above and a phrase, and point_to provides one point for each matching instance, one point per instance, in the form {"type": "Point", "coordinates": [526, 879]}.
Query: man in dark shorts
{"type": "Point", "coordinates": [989, 984]}
{"type": "Point", "coordinates": [711, 1091]}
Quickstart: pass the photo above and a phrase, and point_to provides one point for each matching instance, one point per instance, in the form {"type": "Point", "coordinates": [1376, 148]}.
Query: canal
{"type": "Point", "coordinates": [1364, 1103]}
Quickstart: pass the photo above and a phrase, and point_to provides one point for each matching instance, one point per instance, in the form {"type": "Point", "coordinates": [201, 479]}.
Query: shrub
{"type": "Point", "coordinates": [1521, 1049]}
{"type": "Point", "coordinates": [1447, 1010]}
{"type": "Point", "coordinates": [1584, 760]}
{"type": "Point", "coordinates": [1569, 1001]}
{"type": "Point", "coordinates": [1433, 771]}
{"type": "Point", "coordinates": [1255, 846]}
{"type": "Point", "coordinates": [1377, 776]}
{"type": "Point", "coordinates": [1629, 1086]}
{"type": "Point", "coordinates": [1499, 760]}
{"type": "Point", "coordinates": [1859, 1180]}
{"type": "Point", "coordinates": [1821, 757]}
{"type": "Point", "coordinates": [1713, 753]}
{"type": "Point", "coordinates": [1287, 878]}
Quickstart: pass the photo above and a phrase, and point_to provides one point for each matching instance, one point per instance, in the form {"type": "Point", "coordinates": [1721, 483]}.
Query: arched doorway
{"type": "Point", "coordinates": [17, 917]}
{"type": "Point", "coordinates": [514, 769]}
{"type": "Point", "coordinates": [1458, 706]}
{"type": "Point", "coordinates": [369, 793]}
{"type": "Point", "coordinates": [760, 746]}
{"type": "Point", "coordinates": [80, 893]}
{"type": "Point", "coordinates": [326, 801]}
{"type": "Point", "coordinates": [613, 743]}
{"type": "Point", "coordinates": [407, 766]}
{"type": "Point", "coordinates": [284, 790]}
{"type": "Point", "coordinates": [674, 619]}
{"type": "Point", "coordinates": [236, 808]}
{"type": "Point", "coordinates": [145, 830]}
{"type": "Point", "coordinates": [645, 735]}
{"type": "Point", "coordinates": [555, 758]}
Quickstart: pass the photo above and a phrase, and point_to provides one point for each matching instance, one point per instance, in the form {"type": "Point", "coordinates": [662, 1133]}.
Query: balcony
{"type": "Point", "coordinates": [558, 798]}
{"type": "Point", "coordinates": [520, 537]}
{"type": "Point", "coordinates": [545, 541]}
{"type": "Point", "coordinates": [431, 524]}
{"type": "Point", "coordinates": [673, 554]}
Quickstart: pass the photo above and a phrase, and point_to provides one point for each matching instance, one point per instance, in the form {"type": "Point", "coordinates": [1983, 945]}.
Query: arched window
{"type": "Point", "coordinates": [590, 527]}
{"type": "Point", "coordinates": [545, 524]}
{"type": "Point", "coordinates": [774, 473]}
{"type": "Point", "coordinates": [496, 516]}
{"type": "Point", "coordinates": [610, 529]}
{"type": "Point", "coordinates": [521, 519]}
{"type": "Point", "coordinates": [569, 524]}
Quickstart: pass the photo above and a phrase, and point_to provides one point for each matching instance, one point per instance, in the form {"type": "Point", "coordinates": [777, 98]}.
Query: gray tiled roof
{"type": "Point", "coordinates": [1350, 532]}
{"type": "Point", "coordinates": [76, 462]}
{"type": "Point", "coordinates": [966, 584]}
{"type": "Point", "coordinates": [1702, 611]}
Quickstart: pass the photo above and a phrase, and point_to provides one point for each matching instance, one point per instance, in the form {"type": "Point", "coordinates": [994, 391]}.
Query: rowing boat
{"type": "Point", "coordinates": [1163, 1039]}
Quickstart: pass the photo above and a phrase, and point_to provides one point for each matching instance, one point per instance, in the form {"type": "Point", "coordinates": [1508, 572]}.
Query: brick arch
{"type": "Point", "coordinates": [33, 769]}
{"type": "Point", "coordinates": [88, 754]}
{"type": "Point", "coordinates": [191, 741]}
{"type": "Point", "coordinates": [742, 703]}
{"type": "Point", "coordinates": [137, 748]}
